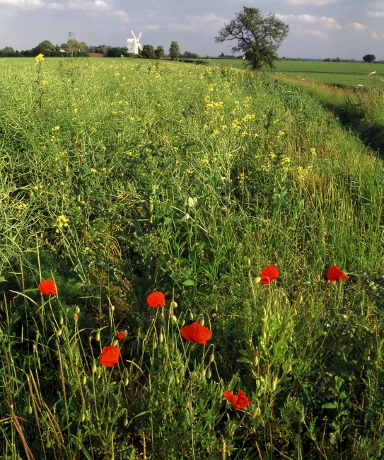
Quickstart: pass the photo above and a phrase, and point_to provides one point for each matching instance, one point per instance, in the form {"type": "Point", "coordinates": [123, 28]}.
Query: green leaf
{"type": "Point", "coordinates": [329, 406]}
{"type": "Point", "coordinates": [188, 283]}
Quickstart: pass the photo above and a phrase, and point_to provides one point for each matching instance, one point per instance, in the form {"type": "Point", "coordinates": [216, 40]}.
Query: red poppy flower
{"type": "Point", "coordinates": [156, 299]}
{"type": "Point", "coordinates": [239, 400]}
{"type": "Point", "coordinates": [120, 335]}
{"type": "Point", "coordinates": [196, 332]}
{"type": "Point", "coordinates": [47, 287]}
{"type": "Point", "coordinates": [269, 274]}
{"type": "Point", "coordinates": [334, 274]}
{"type": "Point", "coordinates": [109, 356]}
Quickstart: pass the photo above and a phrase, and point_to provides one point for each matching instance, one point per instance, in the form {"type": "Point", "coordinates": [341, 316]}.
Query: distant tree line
{"type": "Point", "coordinates": [75, 48]}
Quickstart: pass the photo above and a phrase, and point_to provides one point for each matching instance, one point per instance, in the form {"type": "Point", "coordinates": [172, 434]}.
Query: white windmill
{"type": "Point", "coordinates": [133, 44]}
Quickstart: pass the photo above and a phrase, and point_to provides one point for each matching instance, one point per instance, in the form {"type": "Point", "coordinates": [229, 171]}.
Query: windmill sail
{"type": "Point", "coordinates": [133, 45]}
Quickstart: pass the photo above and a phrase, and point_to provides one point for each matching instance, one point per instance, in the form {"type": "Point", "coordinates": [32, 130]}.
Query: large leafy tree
{"type": "Point", "coordinates": [258, 37]}
{"type": "Point", "coordinates": [148, 52]}
{"type": "Point", "coordinates": [45, 47]}
{"type": "Point", "coordinates": [369, 58]}
{"type": "Point", "coordinates": [174, 51]}
{"type": "Point", "coordinates": [159, 52]}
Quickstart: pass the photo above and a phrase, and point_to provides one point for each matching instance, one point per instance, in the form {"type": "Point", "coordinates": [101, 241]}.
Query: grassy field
{"type": "Point", "coordinates": [343, 74]}
{"type": "Point", "coordinates": [121, 178]}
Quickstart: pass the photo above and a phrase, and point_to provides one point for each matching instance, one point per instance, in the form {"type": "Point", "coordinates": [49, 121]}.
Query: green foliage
{"type": "Point", "coordinates": [159, 52]}
{"type": "Point", "coordinates": [189, 181]}
{"type": "Point", "coordinates": [117, 52]}
{"type": "Point", "coordinates": [258, 37]}
{"type": "Point", "coordinates": [174, 51]}
{"type": "Point", "coordinates": [45, 47]}
{"type": "Point", "coordinates": [148, 52]}
{"type": "Point", "coordinates": [369, 58]}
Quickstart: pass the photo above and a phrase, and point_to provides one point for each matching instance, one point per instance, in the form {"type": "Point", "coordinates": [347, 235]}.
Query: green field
{"type": "Point", "coordinates": [124, 177]}
{"type": "Point", "coordinates": [349, 74]}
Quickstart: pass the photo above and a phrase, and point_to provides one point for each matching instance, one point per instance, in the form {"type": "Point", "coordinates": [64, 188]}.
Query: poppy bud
{"type": "Point", "coordinates": [212, 357]}
{"type": "Point", "coordinates": [84, 380]}
{"type": "Point", "coordinates": [94, 367]}
{"type": "Point", "coordinates": [125, 423]}
{"type": "Point", "coordinates": [191, 316]}
{"type": "Point", "coordinates": [256, 412]}
{"type": "Point", "coordinates": [174, 319]}
{"type": "Point", "coordinates": [126, 381]}
{"type": "Point", "coordinates": [257, 280]}
{"type": "Point", "coordinates": [61, 320]}
{"type": "Point", "coordinates": [161, 337]}
{"type": "Point", "coordinates": [173, 304]}
{"type": "Point", "coordinates": [59, 332]}
{"type": "Point", "coordinates": [202, 321]}
{"type": "Point", "coordinates": [75, 317]}
{"type": "Point", "coordinates": [29, 409]}
{"type": "Point", "coordinates": [97, 336]}
{"type": "Point", "coordinates": [77, 310]}
{"type": "Point", "coordinates": [209, 373]}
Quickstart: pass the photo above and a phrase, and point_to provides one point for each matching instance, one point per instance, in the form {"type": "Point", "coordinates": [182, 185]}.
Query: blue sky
{"type": "Point", "coordinates": [348, 29]}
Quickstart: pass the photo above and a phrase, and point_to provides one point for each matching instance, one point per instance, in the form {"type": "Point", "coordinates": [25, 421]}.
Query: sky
{"type": "Point", "coordinates": [319, 29]}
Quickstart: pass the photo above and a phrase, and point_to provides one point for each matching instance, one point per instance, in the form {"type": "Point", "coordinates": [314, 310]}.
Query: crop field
{"type": "Point", "coordinates": [191, 265]}
{"type": "Point", "coordinates": [342, 74]}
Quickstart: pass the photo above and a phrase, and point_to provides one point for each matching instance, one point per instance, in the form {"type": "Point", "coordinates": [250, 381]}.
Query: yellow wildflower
{"type": "Point", "coordinates": [62, 221]}
{"type": "Point", "coordinates": [39, 58]}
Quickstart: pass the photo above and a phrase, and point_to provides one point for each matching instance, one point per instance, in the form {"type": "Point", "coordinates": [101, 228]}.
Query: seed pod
{"type": "Point", "coordinates": [173, 304]}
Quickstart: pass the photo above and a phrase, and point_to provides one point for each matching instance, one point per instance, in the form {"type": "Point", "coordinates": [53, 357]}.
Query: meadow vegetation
{"type": "Point", "coordinates": [120, 178]}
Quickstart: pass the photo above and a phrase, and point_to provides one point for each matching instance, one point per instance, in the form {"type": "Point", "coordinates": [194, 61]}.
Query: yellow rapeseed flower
{"type": "Point", "coordinates": [39, 58]}
{"type": "Point", "coordinates": [62, 221]}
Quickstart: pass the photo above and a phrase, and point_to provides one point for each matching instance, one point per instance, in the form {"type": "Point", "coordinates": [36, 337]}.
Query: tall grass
{"type": "Point", "coordinates": [120, 179]}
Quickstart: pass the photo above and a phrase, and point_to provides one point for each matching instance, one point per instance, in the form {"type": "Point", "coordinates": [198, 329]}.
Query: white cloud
{"type": "Point", "coordinates": [86, 5]}
{"type": "Point", "coordinates": [22, 2]}
{"type": "Point", "coordinates": [375, 14]}
{"type": "Point", "coordinates": [123, 15]}
{"type": "Point", "coordinates": [357, 26]}
{"type": "Point", "coordinates": [330, 23]}
{"type": "Point", "coordinates": [377, 36]}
